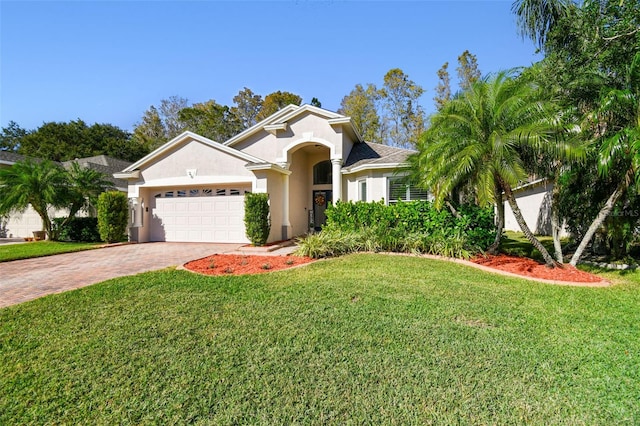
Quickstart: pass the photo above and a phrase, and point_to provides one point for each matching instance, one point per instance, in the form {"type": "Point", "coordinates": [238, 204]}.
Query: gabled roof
{"type": "Point", "coordinates": [259, 126]}
{"type": "Point", "coordinates": [367, 155]}
{"type": "Point", "coordinates": [184, 137]}
{"type": "Point", "coordinates": [279, 120]}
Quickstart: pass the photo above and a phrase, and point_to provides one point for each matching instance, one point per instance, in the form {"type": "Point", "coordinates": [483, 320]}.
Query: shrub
{"type": "Point", "coordinates": [407, 227]}
{"type": "Point", "coordinates": [113, 209]}
{"type": "Point", "coordinates": [83, 229]}
{"type": "Point", "coordinates": [256, 218]}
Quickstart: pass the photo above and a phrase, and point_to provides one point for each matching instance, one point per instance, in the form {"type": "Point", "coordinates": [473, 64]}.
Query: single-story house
{"type": "Point", "coordinates": [192, 188]}
{"type": "Point", "coordinates": [23, 225]}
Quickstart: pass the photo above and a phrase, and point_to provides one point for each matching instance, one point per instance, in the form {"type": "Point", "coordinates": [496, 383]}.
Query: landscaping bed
{"type": "Point", "coordinates": [236, 264]}
{"type": "Point", "coordinates": [531, 268]}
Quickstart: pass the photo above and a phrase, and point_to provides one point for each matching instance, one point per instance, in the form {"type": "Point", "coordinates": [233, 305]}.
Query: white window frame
{"type": "Point", "coordinates": [363, 190]}
{"type": "Point", "coordinates": [407, 195]}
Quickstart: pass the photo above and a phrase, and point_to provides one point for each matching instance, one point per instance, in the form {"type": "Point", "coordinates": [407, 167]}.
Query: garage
{"type": "Point", "coordinates": [198, 215]}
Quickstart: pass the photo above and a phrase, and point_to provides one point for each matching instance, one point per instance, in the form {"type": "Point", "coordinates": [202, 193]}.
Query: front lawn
{"type": "Point", "coordinates": [361, 339]}
{"type": "Point", "coordinates": [41, 248]}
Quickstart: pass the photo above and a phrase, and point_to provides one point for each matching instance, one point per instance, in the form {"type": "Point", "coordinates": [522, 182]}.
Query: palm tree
{"type": "Point", "coordinates": [478, 137]}
{"type": "Point", "coordinates": [41, 185]}
{"type": "Point", "coordinates": [45, 186]}
{"type": "Point", "coordinates": [537, 18]}
{"type": "Point", "coordinates": [619, 118]}
{"type": "Point", "coordinates": [85, 185]}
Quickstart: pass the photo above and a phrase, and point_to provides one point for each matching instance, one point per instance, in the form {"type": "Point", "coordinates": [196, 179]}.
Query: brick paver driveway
{"type": "Point", "coordinates": [24, 280]}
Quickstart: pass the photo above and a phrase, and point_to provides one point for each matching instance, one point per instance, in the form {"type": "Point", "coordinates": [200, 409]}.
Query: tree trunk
{"type": "Point", "coordinates": [493, 248]}
{"type": "Point", "coordinates": [555, 222]}
{"type": "Point", "coordinates": [453, 210]}
{"type": "Point", "coordinates": [525, 228]}
{"type": "Point", "coordinates": [602, 215]}
{"type": "Point", "coordinates": [46, 222]}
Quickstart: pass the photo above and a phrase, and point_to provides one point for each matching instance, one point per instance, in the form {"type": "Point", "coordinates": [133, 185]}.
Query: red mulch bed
{"type": "Point", "coordinates": [531, 268]}
{"type": "Point", "coordinates": [237, 264]}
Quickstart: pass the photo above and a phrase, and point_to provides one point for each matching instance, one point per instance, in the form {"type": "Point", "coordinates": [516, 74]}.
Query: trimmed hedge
{"type": "Point", "coordinates": [256, 218]}
{"type": "Point", "coordinates": [416, 227]}
{"type": "Point", "coordinates": [81, 229]}
{"type": "Point", "coordinates": [113, 211]}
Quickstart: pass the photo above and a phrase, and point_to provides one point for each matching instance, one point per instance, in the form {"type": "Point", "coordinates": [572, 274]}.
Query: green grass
{"type": "Point", "coordinates": [40, 248]}
{"type": "Point", "coordinates": [516, 244]}
{"type": "Point", "coordinates": [362, 339]}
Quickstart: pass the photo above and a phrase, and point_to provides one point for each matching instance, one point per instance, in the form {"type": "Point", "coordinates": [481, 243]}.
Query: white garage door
{"type": "Point", "coordinates": [213, 216]}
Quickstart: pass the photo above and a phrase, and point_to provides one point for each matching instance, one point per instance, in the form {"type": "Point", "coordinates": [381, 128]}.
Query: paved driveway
{"type": "Point", "coordinates": [24, 280]}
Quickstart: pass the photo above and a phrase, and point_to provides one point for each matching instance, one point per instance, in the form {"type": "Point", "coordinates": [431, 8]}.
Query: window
{"type": "Point", "coordinates": [399, 190]}
{"type": "Point", "coordinates": [221, 192]}
{"type": "Point", "coordinates": [362, 189]}
{"type": "Point", "coordinates": [207, 192]}
{"type": "Point", "coordinates": [234, 192]}
{"type": "Point", "coordinates": [322, 173]}
{"type": "Point", "coordinates": [194, 193]}
{"type": "Point", "coordinates": [181, 193]}
{"type": "Point", "coordinates": [168, 194]}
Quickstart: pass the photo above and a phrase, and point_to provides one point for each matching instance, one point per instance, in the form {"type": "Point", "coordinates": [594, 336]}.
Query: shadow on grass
{"type": "Point", "coordinates": [516, 244]}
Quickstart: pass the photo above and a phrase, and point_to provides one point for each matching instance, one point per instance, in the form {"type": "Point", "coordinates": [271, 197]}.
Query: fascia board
{"type": "Point", "coordinates": [135, 174]}
{"type": "Point", "coordinates": [309, 108]}
{"type": "Point", "coordinates": [364, 167]}
{"type": "Point", "coordinates": [183, 137]}
{"type": "Point", "coordinates": [268, 166]}
{"type": "Point", "coordinates": [259, 126]}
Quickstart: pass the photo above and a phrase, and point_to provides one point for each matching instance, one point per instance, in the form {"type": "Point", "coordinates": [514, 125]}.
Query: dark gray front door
{"type": "Point", "coordinates": [321, 200]}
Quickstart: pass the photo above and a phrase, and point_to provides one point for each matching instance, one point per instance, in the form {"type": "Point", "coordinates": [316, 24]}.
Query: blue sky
{"type": "Point", "coordinates": [109, 61]}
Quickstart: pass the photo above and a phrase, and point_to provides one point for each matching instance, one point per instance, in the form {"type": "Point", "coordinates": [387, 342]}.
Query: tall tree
{"type": "Point", "coordinates": [11, 136]}
{"type": "Point", "coordinates": [247, 106]}
{"type": "Point", "coordinates": [619, 113]}
{"type": "Point", "coordinates": [275, 101]}
{"type": "Point", "coordinates": [477, 137]}
{"type": "Point", "coordinates": [361, 106]}
{"type": "Point", "coordinates": [211, 120]}
{"type": "Point", "coordinates": [468, 71]}
{"type": "Point", "coordinates": [588, 47]}
{"type": "Point", "coordinates": [404, 117]}
{"type": "Point", "coordinates": [169, 111]}
{"type": "Point", "coordinates": [443, 89]}
{"type": "Point", "coordinates": [59, 141]}
{"type": "Point", "coordinates": [151, 131]}
{"type": "Point", "coordinates": [537, 18]}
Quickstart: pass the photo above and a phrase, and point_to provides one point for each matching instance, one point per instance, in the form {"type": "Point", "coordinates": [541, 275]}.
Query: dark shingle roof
{"type": "Point", "coordinates": [101, 163]}
{"type": "Point", "coordinates": [10, 157]}
{"type": "Point", "coordinates": [367, 153]}
{"type": "Point", "coordinates": [106, 165]}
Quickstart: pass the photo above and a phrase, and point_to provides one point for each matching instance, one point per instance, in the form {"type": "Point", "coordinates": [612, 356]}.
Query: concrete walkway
{"type": "Point", "coordinates": [24, 280]}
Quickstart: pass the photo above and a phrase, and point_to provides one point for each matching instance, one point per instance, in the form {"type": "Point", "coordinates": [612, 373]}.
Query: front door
{"type": "Point", "coordinates": [321, 200]}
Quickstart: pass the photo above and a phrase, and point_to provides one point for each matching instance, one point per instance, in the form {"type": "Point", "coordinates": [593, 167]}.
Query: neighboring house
{"type": "Point", "coordinates": [304, 157]}
{"type": "Point", "coordinates": [23, 225]}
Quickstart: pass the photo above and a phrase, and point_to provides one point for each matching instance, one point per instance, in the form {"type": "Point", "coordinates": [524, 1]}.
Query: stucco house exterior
{"type": "Point", "coordinates": [23, 225]}
{"type": "Point", "coordinates": [304, 157]}
{"type": "Point", "coordinates": [534, 199]}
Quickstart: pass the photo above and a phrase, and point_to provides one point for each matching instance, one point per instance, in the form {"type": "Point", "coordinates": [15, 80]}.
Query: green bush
{"type": "Point", "coordinates": [256, 218]}
{"type": "Point", "coordinates": [82, 229]}
{"type": "Point", "coordinates": [113, 212]}
{"type": "Point", "coordinates": [406, 227]}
